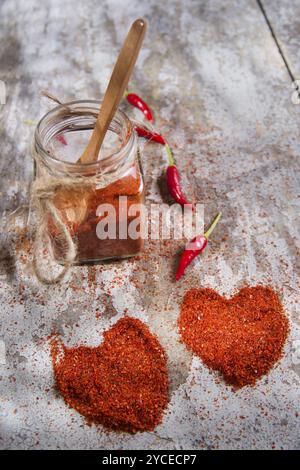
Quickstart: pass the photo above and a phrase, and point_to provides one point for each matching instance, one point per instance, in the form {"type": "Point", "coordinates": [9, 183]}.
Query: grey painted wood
{"type": "Point", "coordinates": [222, 97]}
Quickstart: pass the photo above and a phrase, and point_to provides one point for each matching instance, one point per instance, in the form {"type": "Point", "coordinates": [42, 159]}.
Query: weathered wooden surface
{"type": "Point", "coordinates": [284, 16]}
{"type": "Point", "coordinates": [212, 72]}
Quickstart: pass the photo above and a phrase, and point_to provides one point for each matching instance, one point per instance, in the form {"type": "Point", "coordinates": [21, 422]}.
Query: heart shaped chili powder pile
{"type": "Point", "coordinates": [242, 337]}
{"type": "Point", "coordinates": [122, 384]}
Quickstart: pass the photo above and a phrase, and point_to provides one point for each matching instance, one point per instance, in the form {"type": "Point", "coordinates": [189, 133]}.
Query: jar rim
{"type": "Point", "coordinates": [130, 136]}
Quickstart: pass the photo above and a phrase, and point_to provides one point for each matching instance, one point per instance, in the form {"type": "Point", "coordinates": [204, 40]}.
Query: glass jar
{"type": "Point", "coordinates": [94, 200]}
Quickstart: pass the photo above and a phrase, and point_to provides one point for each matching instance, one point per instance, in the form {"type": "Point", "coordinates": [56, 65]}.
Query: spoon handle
{"type": "Point", "coordinates": [116, 88]}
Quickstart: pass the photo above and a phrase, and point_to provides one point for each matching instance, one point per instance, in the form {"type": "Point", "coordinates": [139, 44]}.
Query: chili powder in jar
{"type": "Point", "coordinates": [98, 202]}
{"type": "Point", "coordinates": [121, 384]}
{"type": "Point", "coordinates": [242, 337]}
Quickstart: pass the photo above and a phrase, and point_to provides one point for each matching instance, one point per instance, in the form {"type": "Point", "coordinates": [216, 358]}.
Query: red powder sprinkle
{"type": "Point", "coordinates": [242, 337]}
{"type": "Point", "coordinates": [122, 384]}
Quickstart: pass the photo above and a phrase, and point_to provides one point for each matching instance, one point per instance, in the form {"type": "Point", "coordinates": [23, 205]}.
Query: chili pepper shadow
{"type": "Point", "coordinates": [175, 261]}
{"type": "Point", "coordinates": [7, 261]}
{"type": "Point", "coordinates": [161, 182]}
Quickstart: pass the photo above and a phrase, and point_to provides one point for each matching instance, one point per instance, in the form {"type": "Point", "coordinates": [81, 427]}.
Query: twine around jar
{"type": "Point", "coordinates": [41, 198]}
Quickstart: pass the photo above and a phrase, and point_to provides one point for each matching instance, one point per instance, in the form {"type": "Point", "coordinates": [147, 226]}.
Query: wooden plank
{"type": "Point", "coordinates": [222, 98]}
{"type": "Point", "coordinates": [284, 16]}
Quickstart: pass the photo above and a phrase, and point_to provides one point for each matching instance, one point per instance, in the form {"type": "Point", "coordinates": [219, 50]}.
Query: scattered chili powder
{"type": "Point", "coordinates": [242, 337]}
{"type": "Point", "coordinates": [122, 383]}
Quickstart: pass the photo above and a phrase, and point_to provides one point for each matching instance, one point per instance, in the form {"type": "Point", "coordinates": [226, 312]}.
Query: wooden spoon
{"type": "Point", "coordinates": [115, 90]}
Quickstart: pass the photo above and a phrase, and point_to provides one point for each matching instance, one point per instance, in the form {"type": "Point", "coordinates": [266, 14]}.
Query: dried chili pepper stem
{"type": "Point", "coordinates": [195, 247]}
{"type": "Point", "coordinates": [170, 156]}
{"type": "Point", "coordinates": [212, 225]}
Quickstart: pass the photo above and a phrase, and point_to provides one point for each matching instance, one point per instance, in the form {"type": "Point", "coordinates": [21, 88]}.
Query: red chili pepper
{"type": "Point", "coordinates": [137, 102]}
{"type": "Point", "coordinates": [141, 132]}
{"type": "Point", "coordinates": [61, 139]}
{"type": "Point", "coordinates": [173, 180]}
{"type": "Point", "coordinates": [194, 247]}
